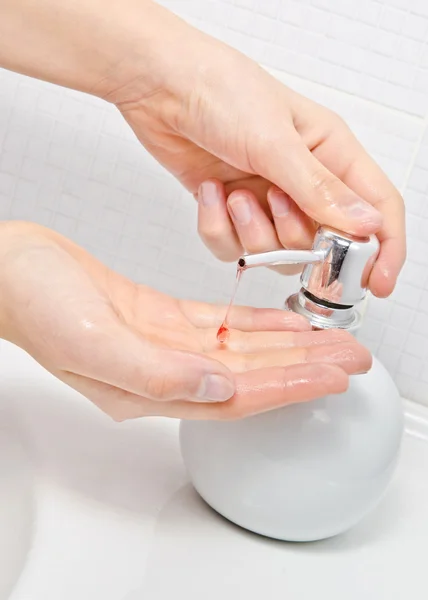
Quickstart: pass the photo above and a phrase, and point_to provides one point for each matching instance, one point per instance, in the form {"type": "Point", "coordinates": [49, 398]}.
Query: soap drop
{"type": "Point", "coordinates": [223, 333]}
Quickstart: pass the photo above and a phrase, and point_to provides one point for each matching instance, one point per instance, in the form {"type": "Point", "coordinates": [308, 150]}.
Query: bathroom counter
{"type": "Point", "coordinates": [114, 517]}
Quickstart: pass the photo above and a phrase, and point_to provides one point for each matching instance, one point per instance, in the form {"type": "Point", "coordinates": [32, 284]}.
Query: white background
{"type": "Point", "coordinates": [68, 161]}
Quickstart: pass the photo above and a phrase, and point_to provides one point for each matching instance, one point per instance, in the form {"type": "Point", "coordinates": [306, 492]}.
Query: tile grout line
{"type": "Point", "coordinates": [415, 153]}
{"type": "Point", "coordinates": [393, 111]}
{"type": "Point", "coordinates": [419, 141]}
{"type": "Point", "coordinates": [416, 310]}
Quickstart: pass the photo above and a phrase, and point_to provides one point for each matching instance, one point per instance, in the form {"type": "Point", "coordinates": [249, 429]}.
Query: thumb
{"type": "Point", "coordinates": [317, 191]}
{"type": "Point", "coordinates": [177, 375]}
{"type": "Point", "coordinates": [126, 360]}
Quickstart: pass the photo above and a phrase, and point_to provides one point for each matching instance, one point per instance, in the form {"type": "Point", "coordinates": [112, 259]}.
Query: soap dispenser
{"type": "Point", "coordinates": [307, 471]}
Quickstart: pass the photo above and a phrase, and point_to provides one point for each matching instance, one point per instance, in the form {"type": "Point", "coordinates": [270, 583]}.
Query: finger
{"type": "Point", "coordinates": [243, 342]}
{"type": "Point", "coordinates": [367, 179]}
{"type": "Point", "coordinates": [293, 228]}
{"type": "Point", "coordinates": [386, 270]}
{"type": "Point", "coordinates": [268, 389]}
{"type": "Point", "coordinates": [244, 318]}
{"type": "Point", "coordinates": [349, 356]}
{"type": "Point", "coordinates": [361, 173]}
{"type": "Point", "coordinates": [253, 183]}
{"type": "Point", "coordinates": [214, 224]}
{"type": "Point", "coordinates": [255, 230]}
{"type": "Point", "coordinates": [318, 193]}
{"type": "Point", "coordinates": [121, 358]}
{"type": "Point", "coordinates": [256, 392]}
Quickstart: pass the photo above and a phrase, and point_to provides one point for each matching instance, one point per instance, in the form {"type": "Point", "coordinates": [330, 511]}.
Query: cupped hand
{"type": "Point", "coordinates": [266, 164]}
{"type": "Point", "coordinates": [136, 352]}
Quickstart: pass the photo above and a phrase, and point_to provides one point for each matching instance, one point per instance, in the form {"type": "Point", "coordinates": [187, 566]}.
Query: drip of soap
{"type": "Point", "coordinates": [223, 332]}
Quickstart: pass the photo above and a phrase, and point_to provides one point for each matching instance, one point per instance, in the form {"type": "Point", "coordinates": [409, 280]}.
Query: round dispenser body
{"type": "Point", "coordinates": [304, 472]}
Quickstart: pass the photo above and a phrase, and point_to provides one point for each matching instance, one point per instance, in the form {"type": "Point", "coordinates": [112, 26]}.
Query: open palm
{"type": "Point", "coordinates": [136, 352]}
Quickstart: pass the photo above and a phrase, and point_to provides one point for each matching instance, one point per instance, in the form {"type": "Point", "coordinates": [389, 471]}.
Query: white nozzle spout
{"type": "Point", "coordinates": [281, 257]}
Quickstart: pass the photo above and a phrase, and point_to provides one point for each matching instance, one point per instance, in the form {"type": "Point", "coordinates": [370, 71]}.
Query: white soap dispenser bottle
{"type": "Point", "coordinates": [312, 470]}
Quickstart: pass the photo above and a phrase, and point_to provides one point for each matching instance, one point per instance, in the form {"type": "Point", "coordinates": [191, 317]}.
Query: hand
{"type": "Point", "coordinates": [223, 126]}
{"type": "Point", "coordinates": [266, 164]}
{"type": "Point", "coordinates": [135, 352]}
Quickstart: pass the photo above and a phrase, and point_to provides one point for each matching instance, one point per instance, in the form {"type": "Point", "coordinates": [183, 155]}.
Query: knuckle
{"type": "Point", "coordinates": [210, 233]}
{"type": "Point", "coordinates": [336, 123]}
{"type": "Point", "coordinates": [210, 230]}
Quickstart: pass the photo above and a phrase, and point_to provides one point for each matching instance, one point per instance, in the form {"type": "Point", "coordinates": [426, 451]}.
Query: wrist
{"type": "Point", "coordinates": [159, 52]}
{"type": "Point", "coordinates": [16, 240]}
{"type": "Point", "coordinates": [119, 51]}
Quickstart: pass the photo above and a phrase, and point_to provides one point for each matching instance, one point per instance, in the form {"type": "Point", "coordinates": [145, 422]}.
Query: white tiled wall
{"type": "Point", "coordinates": [70, 162]}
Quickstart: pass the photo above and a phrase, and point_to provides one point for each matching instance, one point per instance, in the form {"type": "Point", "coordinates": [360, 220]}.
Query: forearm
{"type": "Point", "coordinates": [9, 244]}
{"type": "Point", "coordinates": [88, 45]}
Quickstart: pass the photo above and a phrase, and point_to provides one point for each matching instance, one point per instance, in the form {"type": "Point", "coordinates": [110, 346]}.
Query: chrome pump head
{"type": "Point", "coordinates": [334, 279]}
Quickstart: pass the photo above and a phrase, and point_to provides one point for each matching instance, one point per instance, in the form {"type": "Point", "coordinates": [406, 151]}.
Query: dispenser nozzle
{"type": "Point", "coordinates": [333, 280]}
{"type": "Point", "coordinates": [281, 257]}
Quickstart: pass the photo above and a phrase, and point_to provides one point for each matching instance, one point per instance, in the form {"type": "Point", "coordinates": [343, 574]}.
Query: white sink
{"type": "Point", "coordinates": [118, 520]}
{"type": "Point", "coordinates": [16, 503]}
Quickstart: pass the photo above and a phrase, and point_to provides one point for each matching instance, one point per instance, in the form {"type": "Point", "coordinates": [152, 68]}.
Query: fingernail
{"type": "Point", "coordinates": [215, 388]}
{"type": "Point", "coordinates": [207, 193]}
{"type": "Point", "coordinates": [363, 211]}
{"type": "Point", "coordinates": [241, 210]}
{"type": "Point", "coordinates": [279, 203]}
